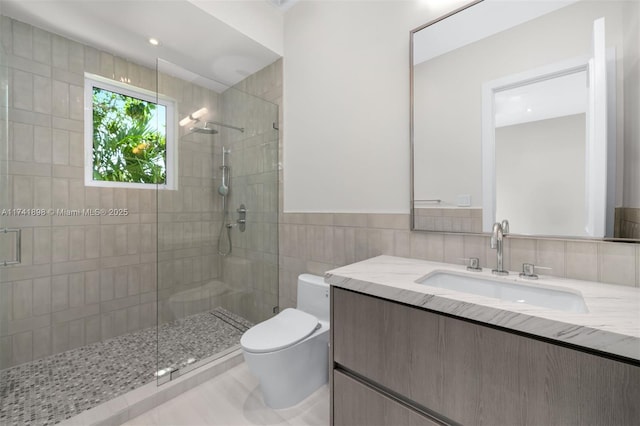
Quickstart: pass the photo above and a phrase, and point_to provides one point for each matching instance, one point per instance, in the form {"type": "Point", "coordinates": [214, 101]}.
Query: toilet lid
{"type": "Point", "coordinates": [285, 329]}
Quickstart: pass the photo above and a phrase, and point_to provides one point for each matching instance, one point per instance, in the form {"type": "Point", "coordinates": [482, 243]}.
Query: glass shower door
{"type": "Point", "coordinates": [217, 230]}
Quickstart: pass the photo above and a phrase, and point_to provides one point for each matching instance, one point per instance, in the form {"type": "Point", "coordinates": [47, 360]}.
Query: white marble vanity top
{"type": "Point", "coordinates": [612, 324]}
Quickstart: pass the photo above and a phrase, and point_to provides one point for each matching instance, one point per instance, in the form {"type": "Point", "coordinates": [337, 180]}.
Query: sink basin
{"type": "Point", "coordinates": [547, 297]}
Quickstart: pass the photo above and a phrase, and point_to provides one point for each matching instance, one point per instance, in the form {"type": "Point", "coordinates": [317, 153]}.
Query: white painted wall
{"type": "Point", "coordinates": [346, 105]}
{"type": "Point", "coordinates": [549, 203]}
{"type": "Point", "coordinates": [346, 97]}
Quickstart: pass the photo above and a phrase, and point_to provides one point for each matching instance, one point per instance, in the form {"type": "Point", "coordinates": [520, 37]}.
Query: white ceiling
{"type": "Point", "coordinates": [189, 37]}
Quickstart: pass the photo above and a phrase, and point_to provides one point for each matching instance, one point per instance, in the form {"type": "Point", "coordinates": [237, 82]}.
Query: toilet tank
{"type": "Point", "coordinates": [313, 296]}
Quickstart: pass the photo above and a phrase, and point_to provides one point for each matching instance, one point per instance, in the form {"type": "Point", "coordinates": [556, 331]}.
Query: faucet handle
{"type": "Point", "coordinates": [528, 271]}
{"type": "Point", "coordinates": [473, 263]}
{"type": "Point", "coordinates": [505, 226]}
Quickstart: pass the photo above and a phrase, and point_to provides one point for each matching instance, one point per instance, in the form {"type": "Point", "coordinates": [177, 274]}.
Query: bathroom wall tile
{"type": "Point", "coordinates": [60, 147]}
{"type": "Point", "coordinates": [106, 65]}
{"type": "Point", "coordinates": [388, 221]}
{"type": "Point", "coordinates": [435, 247]}
{"type": "Point", "coordinates": [402, 243]}
{"type": "Point", "coordinates": [41, 342]}
{"type": "Point", "coordinates": [106, 285]}
{"type": "Point", "coordinates": [91, 287]}
{"type": "Point", "coordinates": [92, 329]}
{"type": "Point", "coordinates": [120, 240]}
{"type": "Point", "coordinates": [22, 192]}
{"type": "Point", "coordinates": [374, 243]}
{"type": "Point", "coordinates": [120, 282]}
{"type": "Point", "coordinates": [360, 244]}
{"type": "Point", "coordinates": [22, 345]}
{"type": "Point", "coordinates": [26, 324]}
{"type": "Point", "coordinates": [74, 266]}
{"type": "Point", "coordinates": [42, 144]}
{"type": "Point", "coordinates": [476, 246]}
{"type": "Point", "coordinates": [42, 88]}
{"type": "Point", "coordinates": [42, 296]}
{"type": "Point", "coordinates": [551, 254]}
{"type": "Point", "coordinates": [60, 52]}
{"type": "Point", "coordinates": [76, 243]}
{"type": "Point", "coordinates": [521, 250]}
{"type": "Point", "coordinates": [133, 318]}
{"type": "Point", "coordinates": [339, 253]}
{"type": "Point", "coordinates": [66, 124]}
{"type": "Point", "coordinates": [22, 90]}
{"type": "Point", "coordinates": [42, 192]}
{"type": "Point", "coordinates": [121, 69]}
{"type": "Point", "coordinates": [22, 142]}
{"type": "Point", "coordinates": [119, 322]}
{"type": "Point", "coordinates": [419, 245]}
{"type": "Point", "coordinates": [41, 46]}
{"type": "Point", "coordinates": [617, 263]}
{"type": "Point", "coordinates": [60, 99]}
{"type": "Point", "coordinates": [6, 34]}
{"type": "Point", "coordinates": [76, 57]}
{"type": "Point", "coordinates": [76, 201]}
{"type": "Point", "coordinates": [76, 149]}
{"type": "Point", "coordinates": [59, 293]}
{"type": "Point", "coordinates": [91, 60]}
{"type": "Point", "coordinates": [107, 240]}
{"type": "Point", "coordinates": [60, 244]}
{"type": "Point", "coordinates": [22, 299]}
{"type": "Point", "coordinates": [76, 333]}
{"type": "Point", "coordinates": [76, 290]}
{"type": "Point", "coordinates": [76, 102]}
{"type": "Point", "coordinates": [349, 219]}
{"type": "Point", "coordinates": [22, 39]}
{"type": "Point", "coordinates": [581, 260]}
{"type": "Point", "coordinates": [60, 337]}
{"type": "Point", "coordinates": [454, 249]}
{"type": "Point", "coordinates": [60, 193]}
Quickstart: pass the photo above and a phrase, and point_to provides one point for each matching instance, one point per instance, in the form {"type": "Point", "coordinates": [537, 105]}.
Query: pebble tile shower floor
{"type": "Point", "coordinates": [55, 388]}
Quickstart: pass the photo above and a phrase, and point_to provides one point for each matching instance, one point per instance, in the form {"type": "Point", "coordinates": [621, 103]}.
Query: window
{"type": "Point", "coordinates": [129, 136]}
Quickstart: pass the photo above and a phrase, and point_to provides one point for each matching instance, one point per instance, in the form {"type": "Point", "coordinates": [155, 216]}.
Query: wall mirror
{"type": "Point", "coordinates": [528, 111]}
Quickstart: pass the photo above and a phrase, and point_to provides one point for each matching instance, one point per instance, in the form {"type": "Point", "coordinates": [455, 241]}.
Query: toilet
{"type": "Point", "coordinates": [289, 353]}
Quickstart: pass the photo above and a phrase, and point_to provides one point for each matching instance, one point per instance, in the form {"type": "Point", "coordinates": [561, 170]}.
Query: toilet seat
{"type": "Point", "coordinates": [285, 329]}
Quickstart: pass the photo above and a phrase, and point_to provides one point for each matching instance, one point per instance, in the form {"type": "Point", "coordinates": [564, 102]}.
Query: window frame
{"type": "Point", "coordinates": [171, 159]}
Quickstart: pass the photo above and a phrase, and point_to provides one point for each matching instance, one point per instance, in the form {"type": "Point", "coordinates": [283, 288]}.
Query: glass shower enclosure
{"type": "Point", "coordinates": [95, 304]}
{"type": "Point", "coordinates": [218, 232]}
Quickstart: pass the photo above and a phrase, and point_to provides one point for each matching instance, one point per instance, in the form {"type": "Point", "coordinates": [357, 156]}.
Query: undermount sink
{"type": "Point", "coordinates": [547, 297]}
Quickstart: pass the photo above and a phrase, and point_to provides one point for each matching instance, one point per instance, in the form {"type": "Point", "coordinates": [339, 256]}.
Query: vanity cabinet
{"type": "Point", "coordinates": [391, 359]}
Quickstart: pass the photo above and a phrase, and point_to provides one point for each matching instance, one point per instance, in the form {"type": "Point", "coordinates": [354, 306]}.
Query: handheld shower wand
{"type": "Point", "coordinates": [223, 190]}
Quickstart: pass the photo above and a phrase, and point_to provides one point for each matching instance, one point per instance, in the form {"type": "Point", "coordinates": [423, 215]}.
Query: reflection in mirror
{"type": "Point", "coordinates": [529, 114]}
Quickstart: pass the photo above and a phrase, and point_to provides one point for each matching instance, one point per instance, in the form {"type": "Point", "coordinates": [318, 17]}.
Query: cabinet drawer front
{"type": "Point", "coordinates": [473, 374]}
{"type": "Point", "coordinates": [356, 404]}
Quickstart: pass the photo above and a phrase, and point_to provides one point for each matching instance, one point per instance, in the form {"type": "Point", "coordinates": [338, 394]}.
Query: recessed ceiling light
{"type": "Point", "coordinates": [154, 41]}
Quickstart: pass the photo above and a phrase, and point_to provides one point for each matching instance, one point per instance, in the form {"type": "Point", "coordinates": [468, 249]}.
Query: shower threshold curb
{"type": "Point", "coordinates": [138, 401]}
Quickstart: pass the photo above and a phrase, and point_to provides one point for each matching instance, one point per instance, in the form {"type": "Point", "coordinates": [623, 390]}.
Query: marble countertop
{"type": "Point", "coordinates": [612, 324]}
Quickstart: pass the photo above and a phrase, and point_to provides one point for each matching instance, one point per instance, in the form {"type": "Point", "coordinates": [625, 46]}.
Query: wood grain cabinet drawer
{"type": "Point", "coordinates": [356, 404]}
{"type": "Point", "coordinates": [477, 375]}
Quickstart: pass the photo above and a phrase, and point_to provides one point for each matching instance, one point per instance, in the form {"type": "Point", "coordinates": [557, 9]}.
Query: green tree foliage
{"type": "Point", "coordinates": [128, 146]}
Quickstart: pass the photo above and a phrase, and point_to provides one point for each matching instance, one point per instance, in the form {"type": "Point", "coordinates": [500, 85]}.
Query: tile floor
{"type": "Point", "coordinates": [234, 399]}
{"type": "Point", "coordinates": [55, 388]}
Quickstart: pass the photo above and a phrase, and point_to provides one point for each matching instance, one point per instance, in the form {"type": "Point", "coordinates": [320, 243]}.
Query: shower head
{"type": "Point", "coordinates": [206, 130]}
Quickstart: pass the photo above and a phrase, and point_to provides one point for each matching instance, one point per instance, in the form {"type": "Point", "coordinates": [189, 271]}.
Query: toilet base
{"type": "Point", "coordinates": [292, 374]}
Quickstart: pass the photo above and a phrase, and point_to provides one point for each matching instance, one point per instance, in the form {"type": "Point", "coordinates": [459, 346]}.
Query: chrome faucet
{"type": "Point", "coordinates": [500, 230]}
